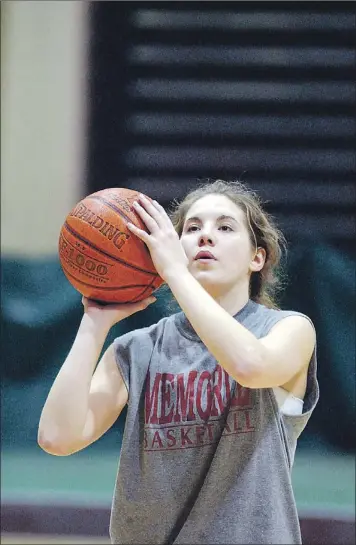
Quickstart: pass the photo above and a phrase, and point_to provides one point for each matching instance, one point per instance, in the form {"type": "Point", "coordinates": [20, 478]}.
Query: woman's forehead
{"type": "Point", "coordinates": [215, 205]}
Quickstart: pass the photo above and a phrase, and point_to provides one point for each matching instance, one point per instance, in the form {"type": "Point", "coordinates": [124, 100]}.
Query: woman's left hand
{"type": "Point", "coordinates": [166, 250]}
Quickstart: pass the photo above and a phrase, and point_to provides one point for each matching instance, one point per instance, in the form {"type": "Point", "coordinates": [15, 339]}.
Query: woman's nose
{"type": "Point", "coordinates": [205, 238]}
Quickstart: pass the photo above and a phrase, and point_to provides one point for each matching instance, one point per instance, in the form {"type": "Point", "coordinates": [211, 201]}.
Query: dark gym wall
{"type": "Point", "coordinates": [261, 91]}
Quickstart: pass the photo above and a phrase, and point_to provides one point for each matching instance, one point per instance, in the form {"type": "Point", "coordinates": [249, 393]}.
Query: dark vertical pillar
{"type": "Point", "coordinates": [109, 32]}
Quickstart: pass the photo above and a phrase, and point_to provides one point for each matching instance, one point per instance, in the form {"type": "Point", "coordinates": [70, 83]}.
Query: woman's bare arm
{"type": "Point", "coordinates": [81, 405]}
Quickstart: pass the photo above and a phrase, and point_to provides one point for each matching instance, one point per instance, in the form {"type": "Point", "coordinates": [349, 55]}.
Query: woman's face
{"type": "Point", "coordinates": [216, 241]}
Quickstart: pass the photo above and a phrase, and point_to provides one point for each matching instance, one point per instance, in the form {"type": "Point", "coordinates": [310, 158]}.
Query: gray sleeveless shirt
{"type": "Point", "coordinates": [203, 459]}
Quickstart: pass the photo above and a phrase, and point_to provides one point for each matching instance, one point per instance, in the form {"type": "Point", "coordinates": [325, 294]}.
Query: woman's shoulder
{"type": "Point", "coordinates": [278, 312]}
{"type": "Point", "coordinates": [263, 318]}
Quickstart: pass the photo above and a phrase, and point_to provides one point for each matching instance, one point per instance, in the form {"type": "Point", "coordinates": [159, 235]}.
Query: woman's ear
{"type": "Point", "coordinates": [258, 260]}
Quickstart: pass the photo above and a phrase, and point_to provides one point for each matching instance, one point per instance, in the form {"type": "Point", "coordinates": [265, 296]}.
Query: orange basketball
{"type": "Point", "coordinates": [100, 257]}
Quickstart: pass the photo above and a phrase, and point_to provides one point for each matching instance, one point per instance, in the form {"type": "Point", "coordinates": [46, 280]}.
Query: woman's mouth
{"type": "Point", "coordinates": [205, 256]}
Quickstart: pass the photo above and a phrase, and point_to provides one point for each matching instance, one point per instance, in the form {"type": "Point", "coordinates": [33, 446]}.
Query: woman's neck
{"type": "Point", "coordinates": [232, 299]}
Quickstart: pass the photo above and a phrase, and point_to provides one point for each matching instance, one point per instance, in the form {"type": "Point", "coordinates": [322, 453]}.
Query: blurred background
{"type": "Point", "coordinates": [157, 97]}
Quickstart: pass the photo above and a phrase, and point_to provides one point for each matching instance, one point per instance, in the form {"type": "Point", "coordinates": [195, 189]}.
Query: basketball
{"type": "Point", "coordinates": [100, 257]}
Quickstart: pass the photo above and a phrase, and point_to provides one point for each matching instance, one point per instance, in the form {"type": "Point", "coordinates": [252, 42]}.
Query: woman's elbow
{"type": "Point", "coordinates": [56, 448]}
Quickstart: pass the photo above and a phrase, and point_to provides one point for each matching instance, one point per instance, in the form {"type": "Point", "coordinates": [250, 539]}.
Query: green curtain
{"type": "Point", "coordinates": [41, 313]}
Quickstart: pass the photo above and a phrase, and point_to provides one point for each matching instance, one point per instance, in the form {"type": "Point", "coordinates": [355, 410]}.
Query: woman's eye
{"type": "Point", "coordinates": [225, 228]}
{"type": "Point", "coordinates": [192, 228]}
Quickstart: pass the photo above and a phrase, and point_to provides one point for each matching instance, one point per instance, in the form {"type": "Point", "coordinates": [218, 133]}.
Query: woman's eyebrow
{"type": "Point", "coordinates": [222, 217]}
{"type": "Point", "coordinates": [193, 218]}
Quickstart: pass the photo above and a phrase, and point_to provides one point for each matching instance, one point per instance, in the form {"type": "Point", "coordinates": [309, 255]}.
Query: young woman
{"type": "Point", "coordinates": [216, 394]}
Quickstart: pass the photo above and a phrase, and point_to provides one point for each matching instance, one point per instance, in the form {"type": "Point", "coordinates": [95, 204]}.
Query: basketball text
{"type": "Point", "coordinates": [112, 233]}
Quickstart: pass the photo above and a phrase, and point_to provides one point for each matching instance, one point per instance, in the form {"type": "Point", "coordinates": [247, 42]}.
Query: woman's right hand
{"type": "Point", "coordinates": [108, 315]}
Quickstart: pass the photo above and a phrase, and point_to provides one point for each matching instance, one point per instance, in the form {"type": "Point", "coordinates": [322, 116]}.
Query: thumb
{"type": "Point", "coordinates": [141, 305]}
{"type": "Point", "coordinates": [148, 301]}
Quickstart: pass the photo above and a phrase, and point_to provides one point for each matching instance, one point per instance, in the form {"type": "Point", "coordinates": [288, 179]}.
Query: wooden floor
{"type": "Point", "coordinates": [33, 539]}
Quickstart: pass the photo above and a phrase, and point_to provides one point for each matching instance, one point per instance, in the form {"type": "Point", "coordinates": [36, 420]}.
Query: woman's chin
{"type": "Point", "coordinates": [207, 281]}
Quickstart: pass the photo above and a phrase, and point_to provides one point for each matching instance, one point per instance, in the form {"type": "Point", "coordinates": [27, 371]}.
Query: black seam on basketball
{"type": "Point", "coordinates": [110, 205]}
{"type": "Point", "coordinates": [134, 300]}
{"type": "Point", "coordinates": [106, 288]}
{"type": "Point", "coordinates": [82, 268]}
{"type": "Point", "coordinates": [73, 246]}
{"type": "Point", "coordinates": [86, 241]}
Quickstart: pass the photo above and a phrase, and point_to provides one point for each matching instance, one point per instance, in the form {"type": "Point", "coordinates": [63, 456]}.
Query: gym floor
{"type": "Point", "coordinates": [35, 539]}
{"type": "Point", "coordinates": [324, 485]}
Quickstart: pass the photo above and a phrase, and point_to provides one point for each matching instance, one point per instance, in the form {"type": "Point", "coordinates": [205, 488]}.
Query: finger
{"type": "Point", "coordinates": [153, 211]}
{"type": "Point", "coordinates": [141, 305]}
{"type": "Point", "coordinates": [148, 300]}
{"type": "Point", "coordinates": [145, 237]}
{"type": "Point", "coordinates": [86, 301]}
{"type": "Point", "coordinates": [148, 220]}
{"type": "Point", "coordinates": [144, 303]}
{"type": "Point", "coordinates": [163, 213]}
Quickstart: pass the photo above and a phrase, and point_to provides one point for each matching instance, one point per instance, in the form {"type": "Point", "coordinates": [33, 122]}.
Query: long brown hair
{"type": "Point", "coordinates": [264, 284]}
